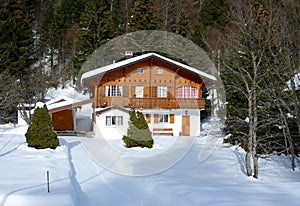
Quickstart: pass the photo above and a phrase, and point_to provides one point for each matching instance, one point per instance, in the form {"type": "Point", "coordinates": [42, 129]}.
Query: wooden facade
{"type": "Point", "coordinates": [168, 93]}
{"type": "Point", "coordinates": [149, 75]}
{"type": "Point", "coordinates": [63, 120]}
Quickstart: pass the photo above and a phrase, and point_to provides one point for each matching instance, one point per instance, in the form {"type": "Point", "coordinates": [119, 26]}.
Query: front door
{"type": "Point", "coordinates": [185, 126]}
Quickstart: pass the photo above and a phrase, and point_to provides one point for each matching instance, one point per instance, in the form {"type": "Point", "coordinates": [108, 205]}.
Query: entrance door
{"type": "Point", "coordinates": [185, 126]}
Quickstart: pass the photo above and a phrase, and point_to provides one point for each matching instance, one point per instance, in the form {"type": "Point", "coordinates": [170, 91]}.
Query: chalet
{"type": "Point", "coordinates": [166, 91]}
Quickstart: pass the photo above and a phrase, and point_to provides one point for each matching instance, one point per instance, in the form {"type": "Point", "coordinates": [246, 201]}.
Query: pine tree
{"type": "Point", "coordinates": [16, 37]}
{"type": "Point", "coordinates": [138, 134]}
{"type": "Point", "coordinates": [183, 24]}
{"type": "Point", "coordinates": [214, 13]}
{"type": "Point", "coordinates": [51, 29]}
{"type": "Point", "coordinates": [144, 16]}
{"type": "Point", "coordinates": [40, 134]}
{"type": "Point", "coordinates": [95, 28]}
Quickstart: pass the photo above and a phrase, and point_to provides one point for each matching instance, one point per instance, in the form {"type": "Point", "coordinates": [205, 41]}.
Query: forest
{"type": "Point", "coordinates": [254, 44]}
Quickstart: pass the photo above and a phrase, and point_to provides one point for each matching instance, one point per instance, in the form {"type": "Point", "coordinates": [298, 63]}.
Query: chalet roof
{"type": "Point", "coordinates": [59, 104]}
{"type": "Point", "coordinates": [101, 70]}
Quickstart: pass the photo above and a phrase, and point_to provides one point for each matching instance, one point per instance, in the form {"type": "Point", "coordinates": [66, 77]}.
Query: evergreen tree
{"type": "Point", "coordinates": [51, 29]}
{"type": "Point", "coordinates": [183, 24]}
{"type": "Point", "coordinates": [16, 37]}
{"type": "Point", "coordinates": [138, 134]}
{"type": "Point", "coordinates": [197, 35]}
{"type": "Point", "coordinates": [214, 13]}
{"type": "Point", "coordinates": [40, 134]}
{"type": "Point", "coordinates": [144, 16]}
{"type": "Point", "coordinates": [95, 28]}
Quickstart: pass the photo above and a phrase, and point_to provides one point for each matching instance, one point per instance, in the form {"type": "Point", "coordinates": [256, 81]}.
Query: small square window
{"type": "Point", "coordinates": [140, 70]}
{"type": "Point", "coordinates": [159, 71]}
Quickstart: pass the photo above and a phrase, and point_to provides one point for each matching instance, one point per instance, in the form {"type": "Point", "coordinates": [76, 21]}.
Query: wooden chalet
{"type": "Point", "coordinates": [168, 92]}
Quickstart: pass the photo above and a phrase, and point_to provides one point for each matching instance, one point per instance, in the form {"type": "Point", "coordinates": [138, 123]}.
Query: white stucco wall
{"type": "Point", "coordinates": [177, 125]}
{"type": "Point", "coordinates": [113, 131]}
{"type": "Point", "coordinates": [119, 131]}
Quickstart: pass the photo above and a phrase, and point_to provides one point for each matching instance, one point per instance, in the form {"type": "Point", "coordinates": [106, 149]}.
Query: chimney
{"type": "Point", "coordinates": [128, 54]}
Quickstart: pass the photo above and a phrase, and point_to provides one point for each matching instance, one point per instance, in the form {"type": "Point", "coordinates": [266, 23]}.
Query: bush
{"type": "Point", "coordinates": [40, 134]}
{"type": "Point", "coordinates": [138, 134]}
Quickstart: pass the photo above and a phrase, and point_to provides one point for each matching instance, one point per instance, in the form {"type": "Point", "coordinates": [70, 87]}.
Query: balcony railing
{"type": "Point", "coordinates": [166, 103]}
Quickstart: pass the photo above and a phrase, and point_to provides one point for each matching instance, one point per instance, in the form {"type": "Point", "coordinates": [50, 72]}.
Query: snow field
{"type": "Point", "coordinates": [210, 173]}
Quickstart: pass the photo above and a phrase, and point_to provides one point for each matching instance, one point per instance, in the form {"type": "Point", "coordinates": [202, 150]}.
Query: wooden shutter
{"type": "Point", "coordinates": [170, 92]}
{"type": "Point", "coordinates": [101, 91]}
{"type": "Point", "coordinates": [132, 91]}
{"type": "Point", "coordinates": [154, 91]}
{"type": "Point", "coordinates": [148, 118]}
{"type": "Point", "coordinates": [156, 117]}
{"type": "Point", "coordinates": [172, 118]}
{"type": "Point", "coordinates": [146, 91]}
{"type": "Point", "coordinates": [125, 91]}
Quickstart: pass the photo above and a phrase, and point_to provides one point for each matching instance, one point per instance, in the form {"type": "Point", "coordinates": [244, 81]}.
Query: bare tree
{"type": "Point", "coordinates": [254, 60]}
{"type": "Point", "coordinates": [8, 93]}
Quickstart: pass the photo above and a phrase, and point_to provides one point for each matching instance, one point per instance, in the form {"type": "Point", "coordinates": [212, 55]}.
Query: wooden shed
{"type": "Point", "coordinates": [63, 120]}
{"type": "Point", "coordinates": [63, 113]}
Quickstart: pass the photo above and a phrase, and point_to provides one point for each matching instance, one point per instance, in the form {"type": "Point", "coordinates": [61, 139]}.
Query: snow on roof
{"type": "Point", "coordinates": [59, 99]}
{"type": "Point", "coordinates": [103, 110]}
{"type": "Point", "coordinates": [101, 70]}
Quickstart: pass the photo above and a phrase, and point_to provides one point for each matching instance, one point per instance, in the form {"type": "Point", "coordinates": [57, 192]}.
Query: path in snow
{"type": "Point", "coordinates": [217, 179]}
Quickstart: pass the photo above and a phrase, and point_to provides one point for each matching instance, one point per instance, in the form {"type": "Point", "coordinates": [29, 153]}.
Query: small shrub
{"type": "Point", "coordinates": [40, 134]}
{"type": "Point", "coordinates": [138, 134]}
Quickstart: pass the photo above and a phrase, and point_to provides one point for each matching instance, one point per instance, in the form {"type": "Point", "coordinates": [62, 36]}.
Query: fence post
{"type": "Point", "coordinates": [48, 181]}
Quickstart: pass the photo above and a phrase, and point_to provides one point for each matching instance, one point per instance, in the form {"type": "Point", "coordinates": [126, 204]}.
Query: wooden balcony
{"type": "Point", "coordinates": [167, 103]}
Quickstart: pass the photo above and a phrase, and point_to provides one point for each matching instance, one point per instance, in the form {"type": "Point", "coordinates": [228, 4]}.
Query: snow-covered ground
{"type": "Point", "coordinates": [210, 173]}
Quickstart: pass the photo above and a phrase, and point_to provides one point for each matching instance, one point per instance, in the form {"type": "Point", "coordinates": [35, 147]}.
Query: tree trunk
{"type": "Point", "coordinates": [248, 163]}
{"type": "Point", "coordinates": [255, 165]}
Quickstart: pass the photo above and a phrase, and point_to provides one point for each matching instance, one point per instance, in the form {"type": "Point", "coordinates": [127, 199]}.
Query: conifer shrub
{"type": "Point", "coordinates": [40, 134]}
{"type": "Point", "coordinates": [138, 134]}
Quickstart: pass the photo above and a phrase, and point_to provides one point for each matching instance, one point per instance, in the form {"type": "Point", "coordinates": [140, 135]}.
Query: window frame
{"type": "Point", "coordinates": [113, 121]}
{"type": "Point", "coordinates": [159, 70]}
{"type": "Point", "coordinates": [142, 91]}
{"type": "Point", "coordinates": [140, 70]}
{"type": "Point", "coordinates": [113, 91]}
{"type": "Point", "coordinates": [162, 91]}
{"type": "Point", "coordinates": [163, 118]}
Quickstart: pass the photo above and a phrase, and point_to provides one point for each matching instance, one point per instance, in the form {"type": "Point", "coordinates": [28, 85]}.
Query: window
{"type": "Point", "coordinates": [113, 91]}
{"type": "Point", "coordinates": [139, 91]}
{"type": "Point", "coordinates": [164, 118]}
{"type": "Point", "coordinates": [140, 70]}
{"type": "Point", "coordinates": [187, 92]}
{"type": "Point", "coordinates": [114, 121]}
{"type": "Point", "coordinates": [159, 71]}
{"type": "Point", "coordinates": [161, 91]}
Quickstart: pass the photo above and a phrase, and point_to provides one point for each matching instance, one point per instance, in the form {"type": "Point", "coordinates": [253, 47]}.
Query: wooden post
{"type": "Point", "coordinates": [48, 182]}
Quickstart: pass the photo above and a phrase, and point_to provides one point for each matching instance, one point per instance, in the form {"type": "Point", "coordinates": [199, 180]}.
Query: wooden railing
{"type": "Point", "coordinates": [166, 103]}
